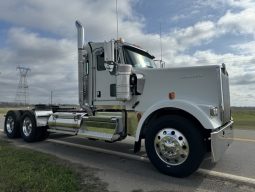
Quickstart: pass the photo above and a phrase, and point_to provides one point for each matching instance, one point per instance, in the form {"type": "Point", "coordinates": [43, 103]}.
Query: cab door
{"type": "Point", "coordinates": [105, 82]}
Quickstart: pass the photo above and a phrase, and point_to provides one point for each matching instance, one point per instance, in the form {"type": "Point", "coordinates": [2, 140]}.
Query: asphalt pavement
{"type": "Point", "coordinates": [131, 174]}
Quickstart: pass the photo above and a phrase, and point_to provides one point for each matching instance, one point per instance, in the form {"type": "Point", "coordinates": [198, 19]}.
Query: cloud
{"type": "Point", "coordinates": [241, 22]}
{"type": "Point", "coordinates": [244, 48]}
{"type": "Point", "coordinates": [194, 35]}
{"type": "Point", "coordinates": [29, 47]}
{"type": "Point", "coordinates": [58, 16]}
{"type": "Point", "coordinates": [208, 3]}
{"type": "Point", "coordinates": [42, 37]}
{"type": "Point", "coordinates": [241, 3]}
{"type": "Point", "coordinates": [179, 17]}
{"type": "Point", "coordinates": [53, 65]}
{"type": "Point", "coordinates": [247, 78]}
{"type": "Point", "coordinates": [242, 94]}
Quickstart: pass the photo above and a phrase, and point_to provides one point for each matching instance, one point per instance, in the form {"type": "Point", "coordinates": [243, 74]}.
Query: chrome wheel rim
{"type": "Point", "coordinates": [27, 126]}
{"type": "Point", "coordinates": [171, 146]}
{"type": "Point", "coordinates": [10, 124]}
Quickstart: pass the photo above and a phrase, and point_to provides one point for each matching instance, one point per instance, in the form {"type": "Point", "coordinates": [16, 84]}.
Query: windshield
{"type": "Point", "coordinates": [138, 58]}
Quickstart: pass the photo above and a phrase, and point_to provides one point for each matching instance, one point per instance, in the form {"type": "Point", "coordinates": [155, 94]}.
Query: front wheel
{"type": "Point", "coordinates": [175, 145]}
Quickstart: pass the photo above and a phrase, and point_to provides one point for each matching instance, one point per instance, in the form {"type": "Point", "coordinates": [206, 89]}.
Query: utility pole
{"type": "Point", "coordinates": [51, 97]}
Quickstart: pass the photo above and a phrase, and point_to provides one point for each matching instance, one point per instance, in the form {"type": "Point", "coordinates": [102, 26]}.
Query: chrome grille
{"type": "Point", "coordinates": [226, 116]}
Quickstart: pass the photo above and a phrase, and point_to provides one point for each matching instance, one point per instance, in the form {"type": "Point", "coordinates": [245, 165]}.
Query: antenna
{"type": "Point", "coordinates": [117, 25]}
{"type": "Point", "coordinates": [117, 19]}
{"type": "Point", "coordinates": [160, 42]}
{"type": "Point", "coordinates": [22, 94]}
{"type": "Point", "coordinates": [162, 63]}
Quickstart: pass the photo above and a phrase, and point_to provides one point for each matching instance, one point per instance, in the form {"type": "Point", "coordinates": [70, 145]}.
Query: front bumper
{"type": "Point", "coordinates": [221, 140]}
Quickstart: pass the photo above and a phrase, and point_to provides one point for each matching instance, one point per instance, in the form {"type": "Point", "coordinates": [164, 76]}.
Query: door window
{"type": "Point", "coordinates": [100, 62]}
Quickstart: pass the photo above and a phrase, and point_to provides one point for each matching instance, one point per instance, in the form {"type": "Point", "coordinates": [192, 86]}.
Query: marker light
{"type": "Point", "coordinates": [139, 116]}
{"type": "Point", "coordinates": [214, 111]}
{"type": "Point", "coordinates": [120, 40]}
{"type": "Point", "coordinates": [171, 95]}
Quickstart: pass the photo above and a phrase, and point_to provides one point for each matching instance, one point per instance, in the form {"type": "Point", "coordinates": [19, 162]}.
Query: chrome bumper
{"type": "Point", "coordinates": [221, 140]}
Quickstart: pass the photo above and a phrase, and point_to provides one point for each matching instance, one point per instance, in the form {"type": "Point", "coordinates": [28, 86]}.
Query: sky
{"type": "Point", "coordinates": [41, 35]}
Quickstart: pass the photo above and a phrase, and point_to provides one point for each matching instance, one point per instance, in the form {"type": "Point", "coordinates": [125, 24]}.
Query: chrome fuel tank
{"type": "Point", "coordinates": [65, 121]}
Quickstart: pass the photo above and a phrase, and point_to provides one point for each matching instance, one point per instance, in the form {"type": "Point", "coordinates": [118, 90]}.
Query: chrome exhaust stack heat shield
{"type": "Point", "coordinates": [83, 74]}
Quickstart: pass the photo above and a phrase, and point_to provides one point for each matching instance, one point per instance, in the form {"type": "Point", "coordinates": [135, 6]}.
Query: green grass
{"type": "Point", "coordinates": [4, 110]}
{"type": "Point", "coordinates": [27, 170]}
{"type": "Point", "coordinates": [244, 119]}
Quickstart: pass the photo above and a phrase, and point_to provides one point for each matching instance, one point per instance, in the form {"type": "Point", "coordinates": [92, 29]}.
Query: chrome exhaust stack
{"type": "Point", "coordinates": [80, 35]}
{"type": "Point", "coordinates": [83, 71]}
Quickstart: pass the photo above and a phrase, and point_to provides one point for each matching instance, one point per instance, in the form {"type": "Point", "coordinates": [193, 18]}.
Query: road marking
{"type": "Point", "coordinates": [226, 176]}
{"type": "Point", "coordinates": [241, 139]}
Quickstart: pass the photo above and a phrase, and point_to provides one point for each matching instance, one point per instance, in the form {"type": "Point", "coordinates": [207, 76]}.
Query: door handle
{"type": "Point", "coordinates": [98, 93]}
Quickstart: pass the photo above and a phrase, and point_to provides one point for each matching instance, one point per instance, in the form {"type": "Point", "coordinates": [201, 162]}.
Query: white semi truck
{"type": "Point", "coordinates": [181, 113]}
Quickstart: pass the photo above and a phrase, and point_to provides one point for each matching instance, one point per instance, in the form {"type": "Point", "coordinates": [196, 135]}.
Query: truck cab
{"type": "Point", "coordinates": [181, 113]}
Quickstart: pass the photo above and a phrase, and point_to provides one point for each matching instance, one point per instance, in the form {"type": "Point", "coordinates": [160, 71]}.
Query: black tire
{"type": "Point", "coordinates": [43, 133]}
{"type": "Point", "coordinates": [29, 131]}
{"type": "Point", "coordinates": [12, 124]}
{"type": "Point", "coordinates": [190, 134]}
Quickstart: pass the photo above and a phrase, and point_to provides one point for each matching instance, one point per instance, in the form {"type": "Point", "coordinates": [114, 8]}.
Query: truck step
{"type": "Point", "coordinates": [62, 131]}
{"type": "Point", "coordinates": [102, 127]}
{"type": "Point", "coordinates": [98, 135]}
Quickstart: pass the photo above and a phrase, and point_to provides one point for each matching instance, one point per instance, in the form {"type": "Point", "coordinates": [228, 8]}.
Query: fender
{"type": "Point", "coordinates": [200, 112]}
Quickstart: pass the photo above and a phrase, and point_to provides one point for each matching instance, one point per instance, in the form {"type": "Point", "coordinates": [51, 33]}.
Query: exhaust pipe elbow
{"type": "Point", "coordinates": [80, 35]}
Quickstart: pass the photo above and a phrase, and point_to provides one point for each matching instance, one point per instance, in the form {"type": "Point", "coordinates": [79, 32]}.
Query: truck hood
{"type": "Point", "coordinates": [199, 85]}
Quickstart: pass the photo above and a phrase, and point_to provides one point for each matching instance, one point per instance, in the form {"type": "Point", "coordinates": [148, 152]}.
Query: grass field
{"type": "Point", "coordinates": [27, 170]}
{"type": "Point", "coordinates": [244, 118]}
{"type": "Point", "coordinates": [3, 110]}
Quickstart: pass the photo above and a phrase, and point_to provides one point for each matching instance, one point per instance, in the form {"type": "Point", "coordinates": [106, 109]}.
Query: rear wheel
{"type": "Point", "coordinates": [12, 124]}
{"type": "Point", "coordinates": [29, 131]}
{"type": "Point", "coordinates": [175, 145]}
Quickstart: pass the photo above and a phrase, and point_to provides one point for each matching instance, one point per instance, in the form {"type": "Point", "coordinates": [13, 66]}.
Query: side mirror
{"type": "Point", "coordinates": [109, 62]}
{"type": "Point", "coordinates": [109, 52]}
